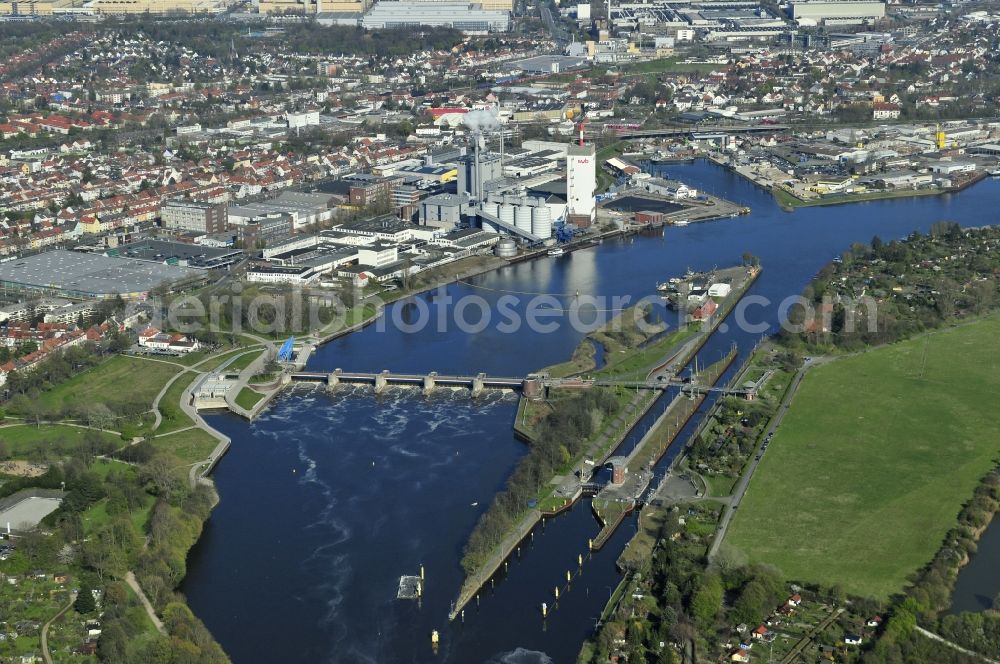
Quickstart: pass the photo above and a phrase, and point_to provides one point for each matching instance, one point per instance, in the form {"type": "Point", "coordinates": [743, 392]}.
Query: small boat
{"type": "Point", "coordinates": [475, 504]}
{"type": "Point", "coordinates": [556, 251]}
{"type": "Point", "coordinates": [681, 222]}
{"type": "Point", "coordinates": [995, 173]}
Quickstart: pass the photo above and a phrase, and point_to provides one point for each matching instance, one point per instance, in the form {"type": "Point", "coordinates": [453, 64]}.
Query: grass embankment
{"type": "Point", "coordinates": [216, 362]}
{"type": "Point", "coordinates": [247, 398]}
{"type": "Point", "coordinates": [874, 460]}
{"type": "Point", "coordinates": [638, 362]}
{"type": "Point", "coordinates": [243, 361]}
{"type": "Point", "coordinates": [625, 351]}
{"type": "Point", "coordinates": [584, 359]}
{"type": "Point", "coordinates": [173, 417]}
{"type": "Point", "coordinates": [142, 380]}
{"type": "Point", "coordinates": [190, 446]}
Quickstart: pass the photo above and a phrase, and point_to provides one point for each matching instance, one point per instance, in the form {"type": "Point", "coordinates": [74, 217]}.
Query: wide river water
{"type": "Point", "coordinates": [328, 499]}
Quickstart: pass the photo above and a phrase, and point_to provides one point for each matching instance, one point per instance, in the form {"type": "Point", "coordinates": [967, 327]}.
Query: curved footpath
{"type": "Point", "coordinates": [45, 629]}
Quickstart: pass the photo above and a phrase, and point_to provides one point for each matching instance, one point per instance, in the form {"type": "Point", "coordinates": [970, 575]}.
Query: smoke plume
{"type": "Point", "coordinates": [480, 119]}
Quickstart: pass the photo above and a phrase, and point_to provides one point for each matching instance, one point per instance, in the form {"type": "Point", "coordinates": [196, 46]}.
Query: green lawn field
{"type": "Point", "coordinates": [23, 441]}
{"type": "Point", "coordinates": [109, 382]}
{"type": "Point", "coordinates": [874, 460]}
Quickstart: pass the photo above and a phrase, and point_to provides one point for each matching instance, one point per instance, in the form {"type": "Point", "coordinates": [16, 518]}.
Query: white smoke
{"type": "Point", "coordinates": [481, 120]}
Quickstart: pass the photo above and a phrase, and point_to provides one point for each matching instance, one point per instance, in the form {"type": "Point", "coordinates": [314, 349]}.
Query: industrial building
{"type": "Point", "coordinates": [444, 210]}
{"type": "Point", "coordinates": [194, 216]}
{"type": "Point", "coordinates": [303, 209]}
{"type": "Point", "coordinates": [469, 18]}
{"type": "Point", "coordinates": [581, 181]}
{"type": "Point", "coordinates": [264, 230]}
{"type": "Point", "coordinates": [822, 10]}
{"type": "Point", "coordinates": [476, 183]}
{"type": "Point", "coordinates": [82, 276]}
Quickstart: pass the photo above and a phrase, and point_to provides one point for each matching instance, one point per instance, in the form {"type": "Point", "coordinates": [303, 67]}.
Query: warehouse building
{"type": "Point", "coordinates": [820, 10]}
{"type": "Point", "coordinates": [469, 18]}
{"type": "Point", "coordinates": [303, 209]}
{"type": "Point", "coordinates": [83, 276]}
{"type": "Point", "coordinates": [178, 253]}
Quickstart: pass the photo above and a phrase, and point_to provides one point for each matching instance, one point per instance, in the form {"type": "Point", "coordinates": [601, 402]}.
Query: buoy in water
{"type": "Point", "coordinates": [435, 637]}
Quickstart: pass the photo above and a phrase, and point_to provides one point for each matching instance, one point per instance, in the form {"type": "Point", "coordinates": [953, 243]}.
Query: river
{"type": "Point", "coordinates": [328, 499]}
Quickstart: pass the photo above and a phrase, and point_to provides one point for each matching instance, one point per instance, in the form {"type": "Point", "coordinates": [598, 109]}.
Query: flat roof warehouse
{"type": "Point", "coordinates": [82, 276]}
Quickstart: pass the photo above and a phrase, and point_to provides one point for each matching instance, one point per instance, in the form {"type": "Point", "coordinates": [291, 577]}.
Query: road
{"type": "Point", "coordinates": [741, 486]}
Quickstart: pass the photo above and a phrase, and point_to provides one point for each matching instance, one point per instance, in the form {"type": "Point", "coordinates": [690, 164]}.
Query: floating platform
{"type": "Point", "coordinates": [409, 587]}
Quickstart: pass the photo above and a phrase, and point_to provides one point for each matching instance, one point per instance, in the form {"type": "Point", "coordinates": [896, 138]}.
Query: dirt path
{"type": "Point", "coordinates": [146, 604]}
{"type": "Point", "coordinates": [954, 646]}
{"type": "Point", "coordinates": [45, 631]}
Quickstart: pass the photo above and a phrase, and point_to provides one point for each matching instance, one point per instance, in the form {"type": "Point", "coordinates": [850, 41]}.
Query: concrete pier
{"type": "Point", "coordinates": [381, 380]}
{"type": "Point", "coordinates": [333, 379]}
{"type": "Point", "coordinates": [429, 381]}
{"type": "Point", "coordinates": [478, 384]}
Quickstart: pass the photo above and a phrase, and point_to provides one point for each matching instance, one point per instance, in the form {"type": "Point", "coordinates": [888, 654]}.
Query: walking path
{"type": "Point", "coordinates": [45, 630]}
{"type": "Point", "coordinates": [955, 646]}
{"type": "Point", "coordinates": [146, 604]}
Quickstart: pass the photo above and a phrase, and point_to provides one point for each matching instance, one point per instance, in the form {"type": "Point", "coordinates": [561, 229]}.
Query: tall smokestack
{"type": "Point", "coordinates": [477, 175]}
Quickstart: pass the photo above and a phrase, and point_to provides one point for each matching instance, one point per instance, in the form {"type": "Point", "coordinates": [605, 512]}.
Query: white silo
{"type": "Point", "coordinates": [522, 218]}
{"type": "Point", "coordinates": [507, 214]}
{"type": "Point", "coordinates": [541, 222]}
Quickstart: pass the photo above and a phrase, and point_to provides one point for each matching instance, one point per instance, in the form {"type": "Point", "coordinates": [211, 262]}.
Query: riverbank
{"type": "Point", "coordinates": [789, 200]}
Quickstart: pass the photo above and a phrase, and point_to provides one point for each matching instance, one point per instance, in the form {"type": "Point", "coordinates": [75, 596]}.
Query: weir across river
{"type": "Point", "coordinates": [533, 386]}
